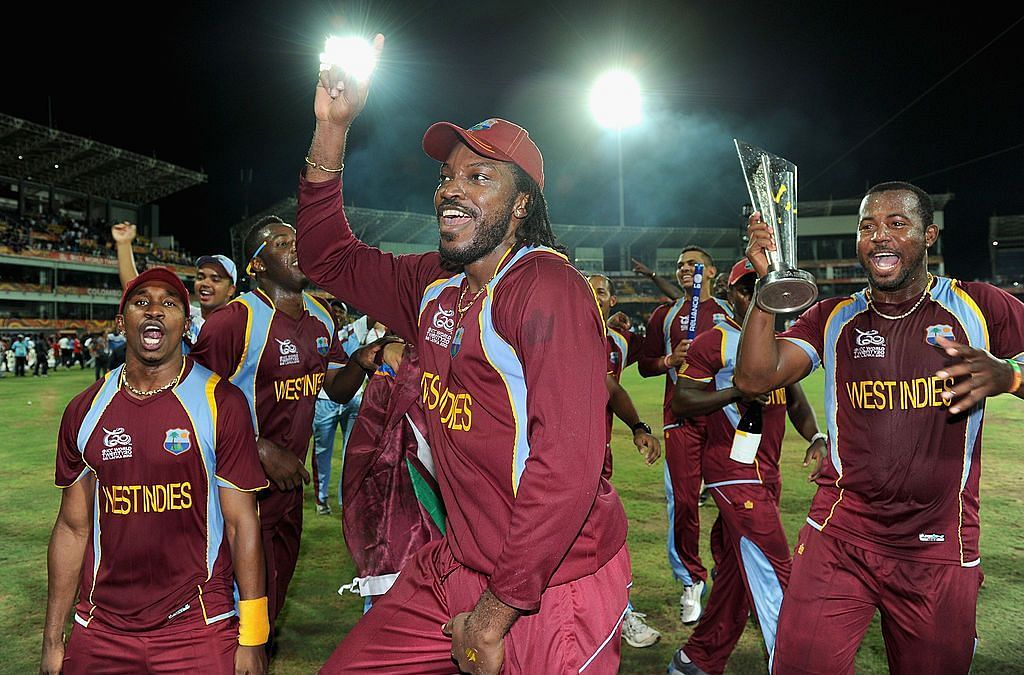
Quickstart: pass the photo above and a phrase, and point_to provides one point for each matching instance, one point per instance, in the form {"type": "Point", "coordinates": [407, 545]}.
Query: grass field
{"type": "Point", "coordinates": [316, 617]}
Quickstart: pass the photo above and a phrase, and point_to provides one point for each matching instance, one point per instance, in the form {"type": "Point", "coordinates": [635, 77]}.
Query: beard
{"type": "Point", "coordinates": [489, 234]}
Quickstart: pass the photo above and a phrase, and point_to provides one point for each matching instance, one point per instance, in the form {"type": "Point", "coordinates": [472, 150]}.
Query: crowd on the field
{"type": "Point", "coordinates": [23, 354]}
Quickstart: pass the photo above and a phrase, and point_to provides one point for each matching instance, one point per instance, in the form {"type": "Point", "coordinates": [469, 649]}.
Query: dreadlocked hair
{"type": "Point", "coordinates": [535, 230]}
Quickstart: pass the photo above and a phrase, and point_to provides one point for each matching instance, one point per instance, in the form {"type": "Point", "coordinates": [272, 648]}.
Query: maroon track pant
{"type": "Point", "coordinates": [575, 630]}
{"type": "Point", "coordinates": [188, 647]}
{"type": "Point", "coordinates": [753, 563]}
{"type": "Point", "coordinates": [928, 611]}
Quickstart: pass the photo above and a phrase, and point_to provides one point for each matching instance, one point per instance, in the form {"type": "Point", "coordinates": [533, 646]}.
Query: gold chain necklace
{"type": "Point", "coordinates": [924, 294]}
{"type": "Point", "coordinates": [462, 296]}
{"type": "Point", "coordinates": [152, 392]}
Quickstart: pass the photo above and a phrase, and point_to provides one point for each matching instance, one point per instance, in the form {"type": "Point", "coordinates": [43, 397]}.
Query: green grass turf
{"type": "Point", "coordinates": [316, 617]}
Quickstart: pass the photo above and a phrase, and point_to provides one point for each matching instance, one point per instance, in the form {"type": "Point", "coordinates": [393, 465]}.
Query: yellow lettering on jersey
{"type": "Point", "coordinates": [922, 392]}
{"type": "Point", "coordinates": [454, 410]}
{"type": "Point", "coordinates": [777, 397]}
{"type": "Point", "coordinates": [296, 388]}
{"type": "Point", "coordinates": [127, 499]}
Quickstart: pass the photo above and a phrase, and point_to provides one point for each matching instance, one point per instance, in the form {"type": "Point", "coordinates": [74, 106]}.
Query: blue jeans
{"type": "Point", "coordinates": [326, 417]}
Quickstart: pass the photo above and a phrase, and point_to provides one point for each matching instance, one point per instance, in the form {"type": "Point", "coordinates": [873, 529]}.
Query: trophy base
{"type": "Point", "coordinates": [786, 291]}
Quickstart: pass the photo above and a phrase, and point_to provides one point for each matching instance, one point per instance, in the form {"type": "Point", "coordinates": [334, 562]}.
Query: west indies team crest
{"type": "Point", "coordinates": [176, 441]}
{"type": "Point", "coordinates": [933, 333]}
{"type": "Point", "coordinates": [322, 346]}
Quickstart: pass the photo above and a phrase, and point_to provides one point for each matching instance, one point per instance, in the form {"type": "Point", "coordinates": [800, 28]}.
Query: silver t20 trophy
{"type": "Point", "coordinates": [771, 182]}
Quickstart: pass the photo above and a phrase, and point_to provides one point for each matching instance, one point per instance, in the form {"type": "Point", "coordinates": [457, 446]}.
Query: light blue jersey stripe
{"type": "Point", "coordinates": [99, 404]}
{"type": "Point", "coordinates": [671, 315]}
{"type": "Point", "coordinates": [196, 396]}
{"type": "Point", "coordinates": [842, 314]}
{"type": "Point", "coordinates": [434, 290]}
{"type": "Point", "coordinates": [949, 295]}
{"type": "Point", "coordinates": [502, 356]}
{"type": "Point", "coordinates": [723, 378]}
{"type": "Point", "coordinates": [317, 311]}
{"type": "Point", "coordinates": [256, 334]}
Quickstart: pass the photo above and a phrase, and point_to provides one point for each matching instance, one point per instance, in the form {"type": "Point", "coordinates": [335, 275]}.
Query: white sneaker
{"type": "Point", "coordinates": [689, 603]}
{"type": "Point", "coordinates": [636, 632]}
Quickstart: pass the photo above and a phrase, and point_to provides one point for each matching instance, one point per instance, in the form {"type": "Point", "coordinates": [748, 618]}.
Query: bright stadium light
{"type": "Point", "coordinates": [352, 54]}
{"type": "Point", "coordinates": [615, 100]}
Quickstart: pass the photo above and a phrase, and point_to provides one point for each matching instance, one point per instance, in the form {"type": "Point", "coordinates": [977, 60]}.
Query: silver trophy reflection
{"type": "Point", "coordinates": [771, 182]}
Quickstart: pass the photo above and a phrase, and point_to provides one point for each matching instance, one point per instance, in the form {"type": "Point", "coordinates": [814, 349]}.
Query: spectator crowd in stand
{"type": "Point", "coordinates": [61, 234]}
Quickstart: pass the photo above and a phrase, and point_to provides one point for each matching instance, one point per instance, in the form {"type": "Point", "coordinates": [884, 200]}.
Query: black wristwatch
{"type": "Point", "coordinates": [641, 426]}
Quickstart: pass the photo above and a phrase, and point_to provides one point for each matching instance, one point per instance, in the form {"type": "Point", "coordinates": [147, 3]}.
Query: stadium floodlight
{"type": "Point", "coordinates": [352, 54]}
{"type": "Point", "coordinates": [615, 100]}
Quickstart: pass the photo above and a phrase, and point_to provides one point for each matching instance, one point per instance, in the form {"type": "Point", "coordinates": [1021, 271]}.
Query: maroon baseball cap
{"type": "Point", "coordinates": [163, 274]}
{"type": "Point", "coordinates": [494, 138]}
{"type": "Point", "coordinates": [740, 270]}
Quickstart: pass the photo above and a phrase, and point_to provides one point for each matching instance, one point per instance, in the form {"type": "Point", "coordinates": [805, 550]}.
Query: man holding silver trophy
{"type": "Point", "coordinates": [908, 364]}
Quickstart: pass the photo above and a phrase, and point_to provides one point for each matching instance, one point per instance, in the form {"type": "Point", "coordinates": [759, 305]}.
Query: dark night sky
{"type": "Point", "coordinates": [854, 93]}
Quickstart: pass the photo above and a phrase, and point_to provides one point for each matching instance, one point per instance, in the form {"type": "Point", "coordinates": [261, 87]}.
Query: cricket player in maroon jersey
{"type": "Point", "coordinates": [894, 525]}
{"type": "Point", "coordinates": [532, 573]}
{"type": "Point", "coordinates": [664, 351]}
{"type": "Point", "coordinates": [748, 542]}
{"type": "Point", "coordinates": [623, 350]}
{"type": "Point", "coordinates": [280, 345]}
{"type": "Point", "coordinates": [158, 526]}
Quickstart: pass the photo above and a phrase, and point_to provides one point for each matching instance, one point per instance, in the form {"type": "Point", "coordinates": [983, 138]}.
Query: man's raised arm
{"type": "Point", "coordinates": [764, 363]}
{"type": "Point", "coordinates": [329, 253]}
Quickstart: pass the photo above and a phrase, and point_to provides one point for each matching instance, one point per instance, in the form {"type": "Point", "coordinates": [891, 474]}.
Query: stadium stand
{"type": "Point", "coordinates": [58, 194]}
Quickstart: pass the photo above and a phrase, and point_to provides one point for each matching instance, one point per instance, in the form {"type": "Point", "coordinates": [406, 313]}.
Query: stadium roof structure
{"type": "Point", "coordinates": [40, 154]}
{"type": "Point", "coordinates": [374, 226]}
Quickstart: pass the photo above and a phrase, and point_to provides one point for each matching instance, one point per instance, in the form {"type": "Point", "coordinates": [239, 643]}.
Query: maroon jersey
{"type": "Point", "coordinates": [278, 362]}
{"type": "Point", "coordinates": [513, 391]}
{"type": "Point", "coordinates": [711, 360]}
{"type": "Point", "coordinates": [901, 475]}
{"type": "Point", "coordinates": [157, 548]}
{"type": "Point", "coordinates": [666, 327]}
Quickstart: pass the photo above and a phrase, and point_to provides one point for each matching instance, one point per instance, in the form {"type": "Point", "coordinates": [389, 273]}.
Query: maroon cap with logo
{"type": "Point", "coordinates": [494, 138]}
{"type": "Point", "coordinates": [740, 270]}
{"type": "Point", "coordinates": [163, 274]}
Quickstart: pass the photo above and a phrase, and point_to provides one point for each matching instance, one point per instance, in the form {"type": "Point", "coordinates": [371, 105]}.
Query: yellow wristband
{"type": "Point", "coordinates": [253, 622]}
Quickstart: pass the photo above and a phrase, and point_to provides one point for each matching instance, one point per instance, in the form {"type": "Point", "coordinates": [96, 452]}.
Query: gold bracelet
{"type": "Point", "coordinates": [324, 168]}
{"type": "Point", "coordinates": [253, 622]}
